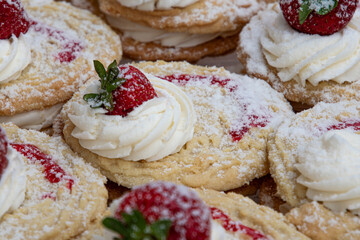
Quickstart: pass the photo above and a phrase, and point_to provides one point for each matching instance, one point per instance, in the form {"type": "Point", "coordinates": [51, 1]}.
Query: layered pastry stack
{"type": "Point", "coordinates": [176, 135]}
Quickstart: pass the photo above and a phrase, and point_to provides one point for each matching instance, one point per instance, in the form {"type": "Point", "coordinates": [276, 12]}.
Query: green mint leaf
{"type": "Point", "coordinates": [117, 226]}
{"type": "Point", "coordinates": [160, 229]}
{"type": "Point", "coordinates": [100, 69]}
{"type": "Point", "coordinates": [325, 10]}
{"type": "Point", "coordinates": [139, 219]}
{"type": "Point", "coordinates": [114, 84]}
{"type": "Point", "coordinates": [93, 99]}
{"type": "Point", "coordinates": [107, 100]}
{"type": "Point", "coordinates": [304, 11]}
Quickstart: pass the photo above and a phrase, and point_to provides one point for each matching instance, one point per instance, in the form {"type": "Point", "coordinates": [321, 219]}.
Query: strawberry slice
{"type": "Point", "coordinates": [123, 88]}
{"type": "Point", "coordinates": [13, 19]}
{"type": "Point", "coordinates": [167, 206]}
{"type": "Point", "coordinates": [323, 17]}
{"type": "Point", "coordinates": [3, 151]}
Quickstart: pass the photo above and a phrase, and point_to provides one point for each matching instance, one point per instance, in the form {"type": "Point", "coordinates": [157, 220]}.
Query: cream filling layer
{"type": "Point", "coordinates": [146, 34]}
{"type": "Point", "coordinates": [330, 169]}
{"type": "Point", "coordinates": [36, 119]}
{"type": "Point", "coordinates": [157, 128]}
{"type": "Point", "coordinates": [313, 58]}
{"type": "Point", "coordinates": [151, 5]}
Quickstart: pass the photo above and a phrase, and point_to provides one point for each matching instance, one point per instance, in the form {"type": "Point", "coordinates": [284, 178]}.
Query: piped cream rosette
{"type": "Point", "coordinates": [152, 131]}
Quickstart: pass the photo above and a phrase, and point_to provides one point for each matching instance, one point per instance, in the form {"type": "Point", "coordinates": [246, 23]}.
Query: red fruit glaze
{"type": "Point", "coordinates": [53, 172]}
{"type": "Point", "coordinates": [238, 133]}
{"type": "Point", "coordinates": [353, 124]}
{"type": "Point", "coordinates": [70, 47]}
{"type": "Point", "coordinates": [3, 151]}
{"type": "Point", "coordinates": [189, 215]}
{"type": "Point", "coordinates": [232, 226]}
{"type": "Point", "coordinates": [131, 94]}
{"type": "Point", "coordinates": [13, 19]}
{"type": "Point", "coordinates": [326, 24]}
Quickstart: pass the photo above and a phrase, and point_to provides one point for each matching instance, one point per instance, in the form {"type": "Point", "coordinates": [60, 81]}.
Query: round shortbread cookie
{"type": "Point", "coordinates": [235, 115]}
{"type": "Point", "coordinates": [64, 41]}
{"type": "Point", "coordinates": [60, 206]}
{"type": "Point", "coordinates": [294, 134]}
{"type": "Point", "coordinates": [251, 53]}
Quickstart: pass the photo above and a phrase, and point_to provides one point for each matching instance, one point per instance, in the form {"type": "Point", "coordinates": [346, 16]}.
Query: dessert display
{"type": "Point", "coordinates": [169, 211]}
{"type": "Point", "coordinates": [46, 52]}
{"type": "Point", "coordinates": [199, 126]}
{"type": "Point", "coordinates": [174, 30]}
{"type": "Point", "coordinates": [46, 190]}
{"type": "Point", "coordinates": [316, 61]}
{"type": "Point", "coordinates": [314, 160]}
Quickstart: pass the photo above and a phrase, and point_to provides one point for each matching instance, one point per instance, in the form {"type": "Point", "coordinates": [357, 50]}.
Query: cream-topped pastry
{"type": "Point", "coordinates": [152, 131]}
{"type": "Point", "coordinates": [12, 178]}
{"type": "Point", "coordinates": [330, 169]}
{"type": "Point", "coordinates": [15, 56]}
{"type": "Point", "coordinates": [307, 68]}
{"type": "Point", "coordinates": [151, 5]}
{"type": "Point", "coordinates": [44, 58]}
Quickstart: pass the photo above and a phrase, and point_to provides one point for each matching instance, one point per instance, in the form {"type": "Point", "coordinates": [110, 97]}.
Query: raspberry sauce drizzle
{"type": "Point", "coordinates": [3, 151]}
{"type": "Point", "coordinates": [70, 47]}
{"type": "Point", "coordinates": [353, 124]}
{"type": "Point", "coordinates": [236, 133]}
{"type": "Point", "coordinates": [232, 226]}
{"type": "Point", "coordinates": [53, 172]}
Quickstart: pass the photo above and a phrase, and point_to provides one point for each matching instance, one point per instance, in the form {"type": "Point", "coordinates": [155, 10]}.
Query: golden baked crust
{"type": "Point", "coordinates": [72, 212]}
{"type": "Point", "coordinates": [152, 51]}
{"type": "Point", "coordinates": [319, 223]}
{"type": "Point", "coordinates": [250, 55]}
{"type": "Point", "coordinates": [208, 160]}
{"type": "Point", "coordinates": [204, 16]}
{"type": "Point", "coordinates": [46, 81]}
{"type": "Point", "coordinates": [267, 221]}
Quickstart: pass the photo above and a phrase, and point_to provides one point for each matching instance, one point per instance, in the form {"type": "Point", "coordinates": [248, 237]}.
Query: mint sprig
{"type": "Point", "coordinates": [135, 227]}
{"type": "Point", "coordinates": [109, 82]}
{"type": "Point", "coordinates": [321, 7]}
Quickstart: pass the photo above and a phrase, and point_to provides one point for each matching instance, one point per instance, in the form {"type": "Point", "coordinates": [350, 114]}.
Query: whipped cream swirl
{"type": "Point", "coordinates": [314, 58]}
{"type": "Point", "coordinates": [157, 128]}
{"type": "Point", "coordinates": [330, 169]}
{"type": "Point", "coordinates": [15, 56]}
{"type": "Point", "coordinates": [12, 183]}
{"type": "Point", "coordinates": [146, 34]}
{"type": "Point", "coordinates": [36, 119]}
{"type": "Point", "coordinates": [151, 5]}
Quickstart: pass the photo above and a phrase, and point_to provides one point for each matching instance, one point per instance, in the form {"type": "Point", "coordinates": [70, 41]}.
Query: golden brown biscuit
{"type": "Point", "coordinates": [61, 207]}
{"type": "Point", "coordinates": [212, 159]}
{"type": "Point", "coordinates": [64, 41]}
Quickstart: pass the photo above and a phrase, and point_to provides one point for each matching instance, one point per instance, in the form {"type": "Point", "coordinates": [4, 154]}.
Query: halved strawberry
{"type": "Point", "coordinates": [3, 151]}
{"type": "Point", "coordinates": [123, 88]}
{"type": "Point", "coordinates": [175, 208]}
{"type": "Point", "coordinates": [322, 17]}
{"type": "Point", "coordinates": [13, 19]}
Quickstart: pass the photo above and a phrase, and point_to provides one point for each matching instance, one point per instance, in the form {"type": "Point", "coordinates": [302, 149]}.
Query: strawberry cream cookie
{"type": "Point", "coordinates": [178, 29]}
{"type": "Point", "coordinates": [46, 190]}
{"type": "Point", "coordinates": [162, 210]}
{"type": "Point", "coordinates": [314, 160]}
{"type": "Point", "coordinates": [44, 57]}
{"type": "Point", "coordinates": [202, 127]}
{"type": "Point", "coordinates": [308, 50]}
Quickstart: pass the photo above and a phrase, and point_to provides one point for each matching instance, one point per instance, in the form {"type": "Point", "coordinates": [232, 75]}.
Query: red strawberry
{"type": "Point", "coordinates": [13, 19]}
{"type": "Point", "coordinates": [322, 17]}
{"type": "Point", "coordinates": [189, 216]}
{"type": "Point", "coordinates": [131, 94]}
{"type": "Point", "coordinates": [123, 88]}
{"type": "Point", "coordinates": [3, 151]}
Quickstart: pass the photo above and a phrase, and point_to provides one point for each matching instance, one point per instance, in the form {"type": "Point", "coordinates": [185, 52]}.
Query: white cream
{"type": "Point", "coordinates": [151, 5]}
{"type": "Point", "coordinates": [15, 56]}
{"type": "Point", "coordinates": [12, 183]}
{"type": "Point", "coordinates": [330, 169]}
{"type": "Point", "coordinates": [36, 119]}
{"type": "Point", "coordinates": [314, 58]}
{"type": "Point", "coordinates": [157, 128]}
{"type": "Point", "coordinates": [218, 232]}
{"type": "Point", "coordinates": [146, 34]}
